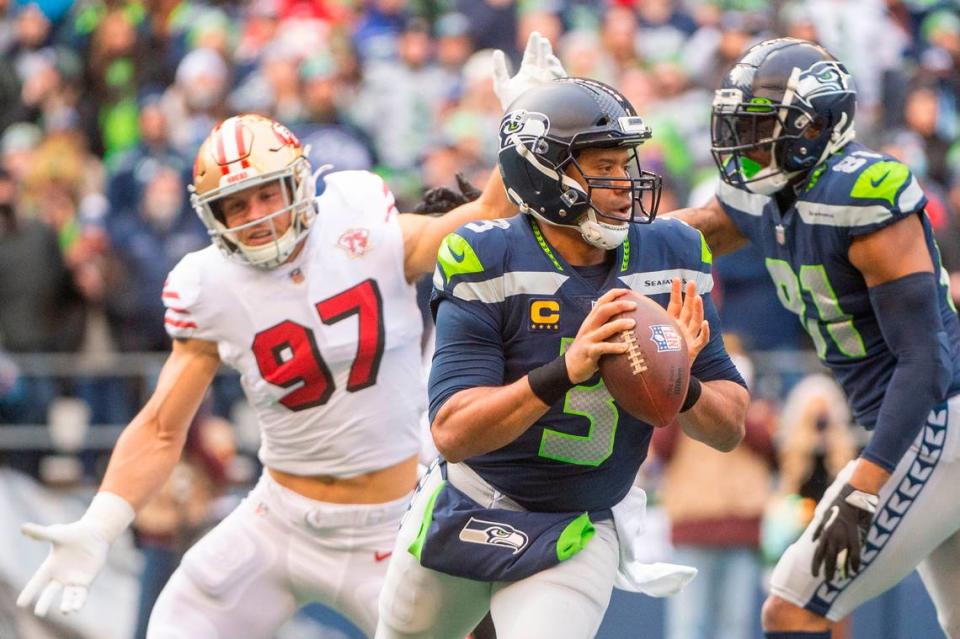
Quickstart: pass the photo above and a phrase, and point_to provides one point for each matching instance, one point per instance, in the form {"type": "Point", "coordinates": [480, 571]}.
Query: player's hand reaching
{"type": "Point", "coordinates": [78, 552]}
{"type": "Point", "coordinates": [441, 199]}
{"type": "Point", "coordinates": [687, 308]}
{"type": "Point", "coordinates": [76, 557]}
{"type": "Point", "coordinates": [842, 531]}
{"type": "Point", "coordinates": [538, 66]}
{"type": "Point", "coordinates": [583, 355]}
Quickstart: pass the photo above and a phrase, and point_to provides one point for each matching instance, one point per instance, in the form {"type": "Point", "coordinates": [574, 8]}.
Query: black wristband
{"type": "Point", "coordinates": [693, 394]}
{"type": "Point", "coordinates": [550, 382]}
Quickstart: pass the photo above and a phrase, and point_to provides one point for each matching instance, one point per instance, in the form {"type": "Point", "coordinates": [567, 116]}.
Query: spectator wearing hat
{"type": "Point", "coordinates": [407, 93]}
{"type": "Point", "coordinates": [377, 35]}
{"type": "Point", "coordinates": [274, 87]}
{"type": "Point", "coordinates": [18, 145]}
{"type": "Point", "coordinates": [146, 243]}
{"type": "Point", "coordinates": [324, 124]}
{"type": "Point", "coordinates": [453, 45]}
{"type": "Point", "coordinates": [130, 172]}
{"type": "Point", "coordinates": [196, 99]}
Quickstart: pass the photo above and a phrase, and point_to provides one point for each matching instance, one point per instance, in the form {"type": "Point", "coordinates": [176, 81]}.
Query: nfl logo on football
{"type": "Point", "coordinates": [665, 337]}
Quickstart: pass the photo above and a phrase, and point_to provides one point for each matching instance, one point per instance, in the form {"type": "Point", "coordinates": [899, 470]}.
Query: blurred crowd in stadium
{"type": "Point", "coordinates": [104, 102]}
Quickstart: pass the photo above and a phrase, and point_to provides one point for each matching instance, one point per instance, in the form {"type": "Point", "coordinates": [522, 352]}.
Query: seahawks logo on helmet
{"type": "Point", "coordinates": [525, 125]}
{"type": "Point", "coordinates": [826, 77]}
{"type": "Point", "coordinates": [491, 533]}
{"type": "Point", "coordinates": [741, 75]}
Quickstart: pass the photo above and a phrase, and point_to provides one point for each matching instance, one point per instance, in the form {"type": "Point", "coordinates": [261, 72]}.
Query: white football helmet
{"type": "Point", "coordinates": [242, 152]}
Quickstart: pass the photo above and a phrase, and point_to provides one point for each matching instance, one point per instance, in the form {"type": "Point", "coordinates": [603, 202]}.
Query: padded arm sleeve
{"type": "Point", "coordinates": [909, 319]}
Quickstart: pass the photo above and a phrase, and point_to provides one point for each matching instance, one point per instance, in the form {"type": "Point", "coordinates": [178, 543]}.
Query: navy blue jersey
{"type": "Point", "coordinates": [506, 302]}
{"type": "Point", "coordinates": [855, 192]}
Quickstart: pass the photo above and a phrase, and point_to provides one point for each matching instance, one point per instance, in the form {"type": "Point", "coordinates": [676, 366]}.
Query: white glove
{"type": "Point", "coordinates": [538, 66]}
{"type": "Point", "coordinates": [79, 552]}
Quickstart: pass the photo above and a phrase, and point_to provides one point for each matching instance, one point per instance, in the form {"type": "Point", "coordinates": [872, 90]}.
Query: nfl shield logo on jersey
{"type": "Point", "coordinates": [491, 533]}
{"type": "Point", "coordinates": [355, 242]}
{"type": "Point", "coordinates": [665, 337]}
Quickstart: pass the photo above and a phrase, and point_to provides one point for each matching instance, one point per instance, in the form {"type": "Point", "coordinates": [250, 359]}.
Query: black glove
{"type": "Point", "coordinates": [842, 531]}
{"type": "Point", "coordinates": [441, 199]}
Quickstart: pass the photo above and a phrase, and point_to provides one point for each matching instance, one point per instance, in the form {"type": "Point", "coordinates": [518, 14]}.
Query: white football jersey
{"type": "Point", "coordinates": [328, 345]}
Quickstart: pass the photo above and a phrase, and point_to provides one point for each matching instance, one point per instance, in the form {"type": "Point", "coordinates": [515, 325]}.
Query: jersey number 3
{"type": "Point", "coordinates": [287, 353]}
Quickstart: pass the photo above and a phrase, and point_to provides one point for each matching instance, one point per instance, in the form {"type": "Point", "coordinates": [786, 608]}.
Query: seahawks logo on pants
{"type": "Point", "coordinates": [491, 533]}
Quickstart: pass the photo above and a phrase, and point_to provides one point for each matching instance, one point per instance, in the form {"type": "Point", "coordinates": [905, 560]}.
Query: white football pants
{"type": "Point", "coordinates": [276, 552]}
{"type": "Point", "coordinates": [916, 526]}
{"type": "Point", "coordinates": [566, 601]}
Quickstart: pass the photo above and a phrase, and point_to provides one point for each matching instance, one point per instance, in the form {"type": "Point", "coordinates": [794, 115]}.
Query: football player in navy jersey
{"type": "Point", "coordinates": [851, 251]}
{"type": "Point", "coordinates": [527, 517]}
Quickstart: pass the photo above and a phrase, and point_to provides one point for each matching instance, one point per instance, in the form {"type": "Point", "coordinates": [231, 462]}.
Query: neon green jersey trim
{"type": "Point", "coordinates": [706, 255]}
{"type": "Point", "coordinates": [417, 546]}
{"type": "Point", "coordinates": [457, 257]}
{"type": "Point", "coordinates": [881, 181]}
{"type": "Point", "coordinates": [575, 536]}
{"type": "Point", "coordinates": [543, 244]}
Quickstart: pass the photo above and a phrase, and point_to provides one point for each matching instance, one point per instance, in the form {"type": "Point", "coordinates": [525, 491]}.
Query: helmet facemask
{"type": "Point", "coordinates": [608, 229]}
{"type": "Point", "coordinates": [757, 128]}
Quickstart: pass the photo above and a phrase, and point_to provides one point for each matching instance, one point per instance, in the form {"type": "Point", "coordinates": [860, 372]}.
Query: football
{"type": "Point", "coordinates": [650, 380]}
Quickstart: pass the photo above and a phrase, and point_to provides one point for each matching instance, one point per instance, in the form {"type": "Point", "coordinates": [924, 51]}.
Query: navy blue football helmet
{"type": "Point", "coordinates": [786, 98]}
{"type": "Point", "coordinates": [540, 137]}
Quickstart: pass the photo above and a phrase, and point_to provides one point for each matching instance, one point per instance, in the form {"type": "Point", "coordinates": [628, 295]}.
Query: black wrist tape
{"type": "Point", "coordinates": [550, 381]}
{"type": "Point", "coordinates": [693, 394]}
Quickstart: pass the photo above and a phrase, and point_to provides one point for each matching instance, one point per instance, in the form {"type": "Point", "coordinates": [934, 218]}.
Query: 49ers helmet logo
{"type": "Point", "coordinates": [285, 135]}
{"type": "Point", "coordinates": [232, 143]}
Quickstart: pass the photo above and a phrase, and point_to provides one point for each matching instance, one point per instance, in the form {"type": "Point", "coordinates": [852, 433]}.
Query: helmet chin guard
{"type": "Point", "coordinates": [601, 234]}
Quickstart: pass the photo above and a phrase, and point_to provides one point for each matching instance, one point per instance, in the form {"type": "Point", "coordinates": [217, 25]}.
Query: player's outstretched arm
{"type": "Point", "coordinates": [484, 418]}
{"type": "Point", "coordinates": [142, 460]}
{"type": "Point", "coordinates": [897, 268]}
{"type": "Point", "coordinates": [150, 445]}
{"type": "Point", "coordinates": [422, 234]}
{"type": "Point", "coordinates": [718, 229]}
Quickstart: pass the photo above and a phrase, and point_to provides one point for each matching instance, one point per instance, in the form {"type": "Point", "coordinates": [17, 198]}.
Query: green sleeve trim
{"type": "Point", "coordinates": [575, 536]}
{"type": "Point", "coordinates": [417, 546]}
{"type": "Point", "coordinates": [457, 257]}
{"type": "Point", "coordinates": [706, 255]}
{"type": "Point", "coordinates": [881, 181]}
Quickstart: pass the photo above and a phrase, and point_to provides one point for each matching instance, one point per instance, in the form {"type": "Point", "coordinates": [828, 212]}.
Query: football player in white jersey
{"type": "Point", "coordinates": [308, 292]}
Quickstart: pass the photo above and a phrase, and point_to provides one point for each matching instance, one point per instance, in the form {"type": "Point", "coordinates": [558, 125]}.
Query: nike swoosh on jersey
{"type": "Point", "coordinates": [457, 256]}
{"type": "Point", "coordinates": [876, 183]}
{"type": "Point", "coordinates": [380, 556]}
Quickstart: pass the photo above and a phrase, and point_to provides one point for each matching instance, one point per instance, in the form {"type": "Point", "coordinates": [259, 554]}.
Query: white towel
{"type": "Point", "coordinates": [658, 579]}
